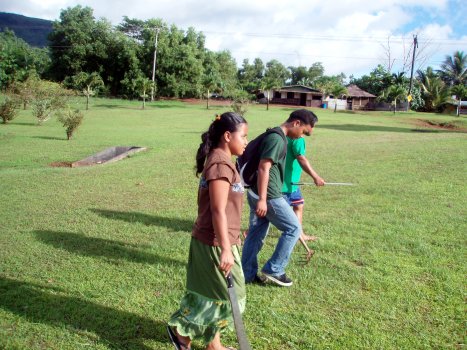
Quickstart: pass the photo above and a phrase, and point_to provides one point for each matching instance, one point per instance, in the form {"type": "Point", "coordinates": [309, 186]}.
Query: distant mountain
{"type": "Point", "coordinates": [32, 30]}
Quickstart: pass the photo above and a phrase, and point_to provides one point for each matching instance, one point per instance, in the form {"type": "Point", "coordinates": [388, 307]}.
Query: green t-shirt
{"type": "Point", "coordinates": [293, 170]}
{"type": "Point", "coordinates": [272, 148]}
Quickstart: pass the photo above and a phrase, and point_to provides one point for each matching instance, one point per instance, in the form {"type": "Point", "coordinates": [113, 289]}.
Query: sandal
{"type": "Point", "coordinates": [174, 339]}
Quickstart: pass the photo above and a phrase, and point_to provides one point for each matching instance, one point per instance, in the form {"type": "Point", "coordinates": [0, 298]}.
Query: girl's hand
{"type": "Point", "coordinates": [226, 261]}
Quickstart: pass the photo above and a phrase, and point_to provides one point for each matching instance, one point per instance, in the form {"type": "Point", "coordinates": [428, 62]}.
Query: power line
{"type": "Point", "coordinates": [353, 38]}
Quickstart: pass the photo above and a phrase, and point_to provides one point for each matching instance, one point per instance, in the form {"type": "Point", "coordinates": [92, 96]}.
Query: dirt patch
{"type": "Point", "coordinates": [438, 125]}
{"type": "Point", "coordinates": [60, 164]}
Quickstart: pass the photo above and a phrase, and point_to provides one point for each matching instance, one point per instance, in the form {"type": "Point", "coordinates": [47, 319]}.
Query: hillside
{"type": "Point", "coordinates": [32, 30]}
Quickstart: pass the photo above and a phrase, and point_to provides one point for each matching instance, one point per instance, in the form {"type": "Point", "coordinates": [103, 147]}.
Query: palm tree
{"type": "Point", "coordinates": [434, 92]}
{"type": "Point", "coordinates": [394, 93]}
{"type": "Point", "coordinates": [268, 84]}
{"type": "Point", "coordinates": [144, 85]}
{"type": "Point", "coordinates": [88, 83]}
{"type": "Point", "coordinates": [337, 91]}
{"type": "Point", "coordinates": [454, 69]}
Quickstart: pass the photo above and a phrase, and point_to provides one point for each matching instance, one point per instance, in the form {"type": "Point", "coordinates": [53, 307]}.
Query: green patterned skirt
{"type": "Point", "coordinates": [205, 308]}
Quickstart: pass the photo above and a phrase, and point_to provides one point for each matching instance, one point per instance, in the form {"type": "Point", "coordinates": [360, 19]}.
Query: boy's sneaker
{"type": "Point", "coordinates": [259, 279]}
{"type": "Point", "coordinates": [282, 280]}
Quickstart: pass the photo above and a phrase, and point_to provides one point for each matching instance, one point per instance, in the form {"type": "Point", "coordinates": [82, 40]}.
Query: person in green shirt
{"type": "Point", "coordinates": [295, 163]}
{"type": "Point", "coordinates": [268, 205]}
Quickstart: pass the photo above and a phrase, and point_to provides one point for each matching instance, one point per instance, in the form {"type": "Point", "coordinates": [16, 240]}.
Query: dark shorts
{"type": "Point", "coordinates": [295, 198]}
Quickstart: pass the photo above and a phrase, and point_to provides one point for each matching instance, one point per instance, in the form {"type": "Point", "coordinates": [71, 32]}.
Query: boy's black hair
{"type": "Point", "coordinates": [304, 115]}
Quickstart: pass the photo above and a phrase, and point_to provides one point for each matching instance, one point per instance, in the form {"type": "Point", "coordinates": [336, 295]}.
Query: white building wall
{"type": "Point", "coordinates": [341, 104]}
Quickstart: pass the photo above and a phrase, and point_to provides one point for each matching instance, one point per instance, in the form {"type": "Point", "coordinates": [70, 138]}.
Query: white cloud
{"type": "Point", "coordinates": [346, 36]}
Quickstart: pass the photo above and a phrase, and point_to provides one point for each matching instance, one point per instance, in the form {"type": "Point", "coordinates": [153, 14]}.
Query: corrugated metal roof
{"type": "Point", "coordinates": [299, 88]}
{"type": "Point", "coordinates": [355, 91]}
{"type": "Point", "coordinates": [456, 103]}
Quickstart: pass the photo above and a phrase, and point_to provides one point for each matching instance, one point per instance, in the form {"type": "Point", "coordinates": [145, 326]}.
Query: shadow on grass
{"type": "Point", "coordinates": [117, 106]}
{"type": "Point", "coordinates": [98, 247]}
{"type": "Point", "coordinates": [115, 329]}
{"type": "Point", "coordinates": [25, 124]}
{"type": "Point", "coordinates": [50, 138]}
{"type": "Point", "coordinates": [148, 220]}
{"type": "Point", "coordinates": [358, 127]}
{"type": "Point", "coordinates": [136, 106]}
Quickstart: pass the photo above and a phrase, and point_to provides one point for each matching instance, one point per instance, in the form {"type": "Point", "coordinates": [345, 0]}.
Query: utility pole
{"type": "Point", "coordinates": [154, 65]}
{"type": "Point", "coordinates": [409, 97]}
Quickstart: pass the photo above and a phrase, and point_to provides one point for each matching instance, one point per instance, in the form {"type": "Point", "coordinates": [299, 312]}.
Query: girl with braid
{"type": "Point", "coordinates": [205, 310]}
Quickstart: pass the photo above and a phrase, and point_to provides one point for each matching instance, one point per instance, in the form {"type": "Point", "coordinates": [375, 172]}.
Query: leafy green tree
{"type": "Point", "coordinates": [327, 83]}
{"type": "Point", "coordinates": [454, 69]}
{"type": "Point", "coordinates": [315, 72]}
{"type": "Point", "coordinates": [17, 59]}
{"type": "Point", "coordinates": [251, 75]}
{"type": "Point", "coordinates": [298, 75]}
{"type": "Point", "coordinates": [275, 76]}
{"type": "Point", "coordinates": [181, 61]}
{"type": "Point", "coordinates": [277, 72]}
{"type": "Point", "coordinates": [88, 84]}
{"type": "Point", "coordinates": [227, 68]}
{"type": "Point", "coordinates": [211, 82]}
{"type": "Point", "coordinates": [79, 43]}
{"type": "Point", "coordinates": [71, 120]}
{"type": "Point", "coordinates": [376, 82]}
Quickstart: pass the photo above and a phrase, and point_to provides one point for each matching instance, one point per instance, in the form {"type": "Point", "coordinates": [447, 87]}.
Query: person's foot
{"type": "Point", "coordinates": [281, 280]}
{"type": "Point", "coordinates": [176, 341]}
{"type": "Point", "coordinates": [309, 238]}
{"type": "Point", "coordinates": [258, 279]}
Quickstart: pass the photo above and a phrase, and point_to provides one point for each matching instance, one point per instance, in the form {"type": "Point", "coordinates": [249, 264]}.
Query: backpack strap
{"type": "Point", "coordinates": [276, 131]}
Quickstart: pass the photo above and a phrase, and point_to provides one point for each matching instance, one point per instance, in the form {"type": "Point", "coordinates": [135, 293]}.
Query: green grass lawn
{"type": "Point", "coordinates": [94, 257]}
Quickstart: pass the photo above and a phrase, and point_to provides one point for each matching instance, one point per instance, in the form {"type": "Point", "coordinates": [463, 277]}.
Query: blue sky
{"type": "Point", "coordinates": [352, 37]}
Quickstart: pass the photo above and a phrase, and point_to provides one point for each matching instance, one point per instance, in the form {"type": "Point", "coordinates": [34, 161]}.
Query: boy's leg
{"type": "Point", "coordinates": [298, 210]}
{"type": "Point", "coordinates": [257, 231]}
{"type": "Point", "coordinates": [281, 215]}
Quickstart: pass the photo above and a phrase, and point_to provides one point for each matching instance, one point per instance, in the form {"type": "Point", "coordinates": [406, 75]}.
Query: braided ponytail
{"type": "Point", "coordinates": [227, 121]}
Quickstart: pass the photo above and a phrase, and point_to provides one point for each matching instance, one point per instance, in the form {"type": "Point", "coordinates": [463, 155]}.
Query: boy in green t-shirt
{"type": "Point", "coordinates": [294, 164]}
{"type": "Point", "coordinates": [267, 204]}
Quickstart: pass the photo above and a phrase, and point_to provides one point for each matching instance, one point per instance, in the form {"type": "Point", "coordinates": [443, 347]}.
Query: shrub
{"type": "Point", "coordinates": [71, 120]}
{"type": "Point", "coordinates": [240, 102]}
{"type": "Point", "coordinates": [49, 98]}
{"type": "Point", "coordinates": [8, 109]}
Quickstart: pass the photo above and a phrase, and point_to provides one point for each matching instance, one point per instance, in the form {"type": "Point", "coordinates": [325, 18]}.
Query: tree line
{"type": "Point", "coordinates": [89, 55]}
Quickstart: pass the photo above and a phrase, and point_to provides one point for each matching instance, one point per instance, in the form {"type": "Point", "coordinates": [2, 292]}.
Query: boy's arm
{"type": "Point", "coordinates": [263, 181]}
{"type": "Point", "coordinates": [306, 166]}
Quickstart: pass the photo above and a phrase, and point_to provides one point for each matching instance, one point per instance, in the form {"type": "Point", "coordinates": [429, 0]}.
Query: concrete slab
{"type": "Point", "coordinates": [111, 154]}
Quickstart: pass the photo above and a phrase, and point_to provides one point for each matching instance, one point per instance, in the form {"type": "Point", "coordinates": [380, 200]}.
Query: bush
{"type": "Point", "coordinates": [71, 120]}
{"type": "Point", "coordinates": [49, 98]}
{"type": "Point", "coordinates": [240, 102]}
{"type": "Point", "coordinates": [8, 109]}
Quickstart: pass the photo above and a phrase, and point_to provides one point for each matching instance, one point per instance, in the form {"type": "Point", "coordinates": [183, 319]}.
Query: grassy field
{"type": "Point", "coordinates": [94, 257]}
